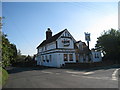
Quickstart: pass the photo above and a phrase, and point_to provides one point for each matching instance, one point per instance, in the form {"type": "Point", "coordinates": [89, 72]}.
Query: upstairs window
{"type": "Point", "coordinates": [45, 47]}
{"type": "Point", "coordinates": [65, 33]}
{"type": "Point", "coordinates": [38, 50]}
{"type": "Point", "coordinates": [42, 48]}
{"type": "Point", "coordinates": [68, 34]}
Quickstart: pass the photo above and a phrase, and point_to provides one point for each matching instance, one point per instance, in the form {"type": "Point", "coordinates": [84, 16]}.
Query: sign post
{"type": "Point", "coordinates": [87, 38]}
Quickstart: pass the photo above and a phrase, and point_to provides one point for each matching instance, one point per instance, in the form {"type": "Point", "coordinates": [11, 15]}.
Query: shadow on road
{"type": "Point", "coordinates": [95, 68]}
{"type": "Point", "coordinates": [22, 69]}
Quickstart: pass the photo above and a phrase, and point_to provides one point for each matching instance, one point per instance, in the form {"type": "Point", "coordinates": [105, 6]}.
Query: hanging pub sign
{"type": "Point", "coordinates": [66, 42]}
{"type": "Point", "coordinates": [87, 36]}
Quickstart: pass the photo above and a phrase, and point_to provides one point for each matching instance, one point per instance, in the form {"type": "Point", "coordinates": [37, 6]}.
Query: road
{"type": "Point", "coordinates": [61, 78]}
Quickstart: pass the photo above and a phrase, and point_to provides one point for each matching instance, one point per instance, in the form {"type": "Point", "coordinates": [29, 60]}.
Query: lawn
{"type": "Point", "coordinates": [3, 76]}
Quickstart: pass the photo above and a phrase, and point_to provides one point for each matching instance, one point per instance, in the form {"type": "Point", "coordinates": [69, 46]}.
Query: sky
{"type": "Point", "coordinates": [25, 23]}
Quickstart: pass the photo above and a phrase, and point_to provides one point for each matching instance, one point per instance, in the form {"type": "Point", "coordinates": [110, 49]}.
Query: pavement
{"type": "Point", "coordinates": [38, 77]}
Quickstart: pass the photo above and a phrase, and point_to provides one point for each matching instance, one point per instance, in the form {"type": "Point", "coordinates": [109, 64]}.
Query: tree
{"type": "Point", "coordinates": [19, 52]}
{"type": "Point", "coordinates": [29, 61]}
{"type": "Point", "coordinates": [13, 53]}
{"type": "Point", "coordinates": [9, 51]}
{"type": "Point", "coordinates": [109, 44]}
{"type": "Point", "coordinates": [1, 24]}
{"type": "Point", "coordinates": [28, 58]}
{"type": "Point", "coordinates": [5, 51]}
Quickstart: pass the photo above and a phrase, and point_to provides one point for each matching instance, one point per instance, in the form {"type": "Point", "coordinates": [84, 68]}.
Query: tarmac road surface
{"type": "Point", "coordinates": [37, 77]}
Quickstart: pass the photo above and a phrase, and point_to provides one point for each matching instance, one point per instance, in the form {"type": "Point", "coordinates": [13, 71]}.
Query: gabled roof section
{"type": "Point", "coordinates": [78, 41]}
{"type": "Point", "coordinates": [75, 46]}
{"type": "Point", "coordinates": [53, 38]}
{"type": "Point", "coordinates": [81, 42]}
{"type": "Point", "coordinates": [70, 35]}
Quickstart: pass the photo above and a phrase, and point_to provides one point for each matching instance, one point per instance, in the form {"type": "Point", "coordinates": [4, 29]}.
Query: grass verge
{"type": "Point", "coordinates": [3, 76]}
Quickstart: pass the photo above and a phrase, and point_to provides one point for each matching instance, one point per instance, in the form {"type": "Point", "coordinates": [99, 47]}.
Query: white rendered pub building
{"type": "Point", "coordinates": [59, 49]}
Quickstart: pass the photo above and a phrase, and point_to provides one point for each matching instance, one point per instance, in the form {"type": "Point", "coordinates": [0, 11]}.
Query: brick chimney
{"type": "Point", "coordinates": [48, 33]}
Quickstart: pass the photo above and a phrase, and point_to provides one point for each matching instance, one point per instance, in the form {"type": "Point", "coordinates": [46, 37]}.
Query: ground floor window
{"type": "Point", "coordinates": [47, 59]}
{"type": "Point", "coordinates": [96, 55]}
{"type": "Point", "coordinates": [50, 57]}
{"type": "Point", "coordinates": [65, 57]}
{"type": "Point", "coordinates": [84, 57]}
{"type": "Point", "coordinates": [43, 59]}
{"type": "Point", "coordinates": [70, 57]}
{"type": "Point", "coordinates": [76, 57]}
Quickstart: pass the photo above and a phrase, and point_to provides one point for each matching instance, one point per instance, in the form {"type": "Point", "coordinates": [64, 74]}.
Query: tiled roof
{"type": "Point", "coordinates": [53, 38]}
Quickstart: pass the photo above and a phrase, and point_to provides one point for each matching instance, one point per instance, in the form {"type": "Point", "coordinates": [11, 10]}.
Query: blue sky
{"type": "Point", "coordinates": [25, 23]}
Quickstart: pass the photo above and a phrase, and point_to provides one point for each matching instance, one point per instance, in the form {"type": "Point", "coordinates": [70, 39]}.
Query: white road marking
{"type": "Point", "coordinates": [47, 72]}
{"type": "Point", "coordinates": [88, 73]}
{"type": "Point", "coordinates": [74, 72]}
{"type": "Point", "coordinates": [114, 74]}
{"type": "Point", "coordinates": [101, 78]}
{"type": "Point", "coordinates": [57, 73]}
{"type": "Point", "coordinates": [87, 77]}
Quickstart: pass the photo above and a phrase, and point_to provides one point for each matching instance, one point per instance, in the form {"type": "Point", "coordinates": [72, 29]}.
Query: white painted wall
{"type": "Point", "coordinates": [56, 61]}
{"type": "Point", "coordinates": [51, 46]}
{"type": "Point", "coordinates": [53, 61]}
{"type": "Point", "coordinates": [60, 59]}
{"type": "Point", "coordinates": [47, 47]}
{"type": "Point", "coordinates": [60, 39]}
{"type": "Point", "coordinates": [38, 60]}
{"type": "Point", "coordinates": [96, 56]}
{"type": "Point", "coordinates": [61, 45]}
{"type": "Point", "coordinates": [57, 58]}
